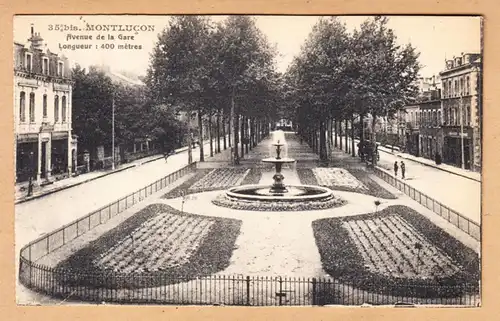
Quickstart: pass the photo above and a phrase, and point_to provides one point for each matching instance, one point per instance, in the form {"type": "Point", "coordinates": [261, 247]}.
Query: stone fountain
{"type": "Point", "coordinates": [278, 197]}
{"type": "Point", "coordinates": [278, 187]}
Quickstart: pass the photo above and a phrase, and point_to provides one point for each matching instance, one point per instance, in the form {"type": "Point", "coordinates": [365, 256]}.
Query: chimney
{"type": "Point", "coordinates": [32, 30]}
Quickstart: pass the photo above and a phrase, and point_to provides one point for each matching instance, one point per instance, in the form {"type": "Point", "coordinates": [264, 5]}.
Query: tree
{"type": "Point", "coordinates": [245, 67]}
{"type": "Point", "coordinates": [385, 73]}
{"type": "Point", "coordinates": [178, 71]}
{"type": "Point", "coordinates": [92, 107]}
{"type": "Point", "coordinates": [317, 77]}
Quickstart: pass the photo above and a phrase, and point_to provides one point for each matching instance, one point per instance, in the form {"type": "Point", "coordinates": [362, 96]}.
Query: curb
{"type": "Point", "coordinates": [55, 190]}
{"type": "Point", "coordinates": [69, 186]}
{"type": "Point", "coordinates": [429, 165]}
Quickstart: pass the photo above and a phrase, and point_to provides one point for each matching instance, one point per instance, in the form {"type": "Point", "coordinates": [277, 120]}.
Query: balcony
{"type": "Point", "coordinates": [37, 127]}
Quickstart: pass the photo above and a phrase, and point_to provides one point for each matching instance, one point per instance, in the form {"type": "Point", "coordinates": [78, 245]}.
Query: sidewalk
{"type": "Point", "coordinates": [427, 162]}
{"type": "Point", "coordinates": [56, 186]}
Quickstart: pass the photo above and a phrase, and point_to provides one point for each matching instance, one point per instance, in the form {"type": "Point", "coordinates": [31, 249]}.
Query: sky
{"type": "Point", "coordinates": [435, 37]}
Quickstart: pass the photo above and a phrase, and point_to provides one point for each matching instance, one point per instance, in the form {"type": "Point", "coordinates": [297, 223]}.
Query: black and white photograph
{"type": "Point", "coordinates": [248, 160]}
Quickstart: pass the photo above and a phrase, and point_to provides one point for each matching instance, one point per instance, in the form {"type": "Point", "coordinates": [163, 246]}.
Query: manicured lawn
{"type": "Point", "coordinates": [387, 251]}
{"type": "Point", "coordinates": [154, 247]}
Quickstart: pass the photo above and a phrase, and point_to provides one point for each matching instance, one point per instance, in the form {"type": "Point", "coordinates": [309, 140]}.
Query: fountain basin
{"type": "Point", "coordinates": [273, 160]}
{"type": "Point", "coordinates": [296, 198]}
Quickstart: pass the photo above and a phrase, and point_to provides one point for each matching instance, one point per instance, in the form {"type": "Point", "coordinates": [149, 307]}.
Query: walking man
{"type": "Point", "coordinates": [396, 168]}
{"type": "Point", "coordinates": [402, 169]}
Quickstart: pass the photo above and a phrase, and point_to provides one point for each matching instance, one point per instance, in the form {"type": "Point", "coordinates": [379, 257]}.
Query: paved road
{"type": "Point", "coordinates": [42, 215]}
{"type": "Point", "coordinates": [457, 192]}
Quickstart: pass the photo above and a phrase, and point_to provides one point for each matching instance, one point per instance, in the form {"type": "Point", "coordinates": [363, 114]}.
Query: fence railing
{"type": "Point", "coordinates": [463, 223]}
{"type": "Point", "coordinates": [45, 244]}
{"type": "Point", "coordinates": [230, 290]}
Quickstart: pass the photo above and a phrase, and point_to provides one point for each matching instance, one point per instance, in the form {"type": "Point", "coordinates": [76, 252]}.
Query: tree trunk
{"type": "Point", "coordinates": [242, 133]}
{"type": "Point", "coordinates": [252, 133]}
{"type": "Point", "coordinates": [200, 136]}
{"type": "Point", "coordinates": [346, 137]}
{"type": "Point", "coordinates": [237, 135]}
{"type": "Point", "coordinates": [362, 134]}
{"type": "Point", "coordinates": [234, 130]}
{"type": "Point", "coordinates": [339, 125]}
{"type": "Point", "coordinates": [322, 142]}
{"type": "Point", "coordinates": [336, 133]}
{"type": "Point", "coordinates": [218, 132]}
{"type": "Point", "coordinates": [374, 139]}
{"type": "Point", "coordinates": [353, 148]}
{"type": "Point", "coordinates": [210, 135]}
{"type": "Point", "coordinates": [189, 140]}
{"type": "Point", "coordinates": [228, 123]}
{"type": "Point", "coordinates": [246, 135]}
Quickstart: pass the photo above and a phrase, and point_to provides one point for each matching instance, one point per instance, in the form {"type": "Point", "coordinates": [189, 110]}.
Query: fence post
{"type": "Point", "coordinates": [248, 289]}
{"type": "Point", "coordinates": [314, 291]}
{"type": "Point", "coordinates": [281, 292]}
{"type": "Point", "coordinates": [30, 265]}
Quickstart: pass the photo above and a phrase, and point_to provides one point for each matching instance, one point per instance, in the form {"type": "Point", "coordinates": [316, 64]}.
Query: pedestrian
{"type": "Point", "coordinates": [396, 168]}
{"type": "Point", "coordinates": [402, 169]}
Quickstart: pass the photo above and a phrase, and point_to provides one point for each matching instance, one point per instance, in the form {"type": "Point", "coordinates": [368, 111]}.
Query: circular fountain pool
{"type": "Point", "coordinates": [296, 198]}
{"type": "Point", "coordinates": [278, 197]}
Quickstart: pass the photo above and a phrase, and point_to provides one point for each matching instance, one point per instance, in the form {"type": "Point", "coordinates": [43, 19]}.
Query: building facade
{"type": "Point", "coordinates": [430, 134]}
{"type": "Point", "coordinates": [44, 144]}
{"type": "Point", "coordinates": [461, 111]}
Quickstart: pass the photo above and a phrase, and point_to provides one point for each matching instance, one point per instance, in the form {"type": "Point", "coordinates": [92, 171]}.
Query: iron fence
{"type": "Point", "coordinates": [229, 290]}
{"type": "Point", "coordinates": [45, 244]}
{"type": "Point", "coordinates": [463, 223]}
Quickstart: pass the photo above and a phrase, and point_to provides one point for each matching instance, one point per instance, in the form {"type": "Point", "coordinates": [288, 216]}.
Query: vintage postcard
{"type": "Point", "coordinates": [247, 160]}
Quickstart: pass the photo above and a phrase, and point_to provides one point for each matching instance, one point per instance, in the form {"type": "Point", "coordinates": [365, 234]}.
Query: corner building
{"type": "Point", "coordinates": [44, 145]}
{"type": "Point", "coordinates": [461, 109]}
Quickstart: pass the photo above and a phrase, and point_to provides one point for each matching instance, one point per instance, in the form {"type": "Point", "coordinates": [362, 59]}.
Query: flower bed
{"type": "Point", "coordinates": [366, 185]}
{"type": "Point", "coordinates": [388, 251]}
{"type": "Point", "coordinates": [253, 177]}
{"type": "Point", "coordinates": [206, 180]}
{"type": "Point", "coordinates": [331, 176]}
{"type": "Point", "coordinates": [220, 178]}
{"type": "Point", "coordinates": [153, 247]}
{"type": "Point", "coordinates": [277, 206]}
{"type": "Point", "coordinates": [183, 188]}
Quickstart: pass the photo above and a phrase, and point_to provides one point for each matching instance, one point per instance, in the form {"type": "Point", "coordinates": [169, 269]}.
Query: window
{"type": "Point", "coordinates": [462, 87]}
{"type": "Point", "coordinates": [434, 118]}
{"type": "Point", "coordinates": [445, 89]}
{"type": "Point", "coordinates": [45, 65]}
{"type": "Point", "coordinates": [32, 107]}
{"type": "Point", "coordinates": [56, 108]}
{"type": "Point", "coordinates": [22, 107]}
{"type": "Point", "coordinates": [450, 89]}
{"type": "Point", "coordinates": [452, 117]}
{"type": "Point", "coordinates": [60, 69]}
{"type": "Point", "coordinates": [63, 109]}
{"type": "Point", "coordinates": [468, 116]}
{"type": "Point", "coordinates": [439, 122]}
{"type": "Point", "coordinates": [456, 88]}
{"type": "Point", "coordinates": [44, 106]}
{"type": "Point", "coordinates": [29, 61]}
{"type": "Point", "coordinates": [467, 90]}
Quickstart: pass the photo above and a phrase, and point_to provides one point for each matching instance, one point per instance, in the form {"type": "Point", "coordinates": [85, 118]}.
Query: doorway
{"type": "Point", "coordinates": [44, 160]}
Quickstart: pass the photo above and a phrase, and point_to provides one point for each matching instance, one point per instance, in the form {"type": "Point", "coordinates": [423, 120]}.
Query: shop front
{"type": "Point", "coordinates": [452, 147]}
